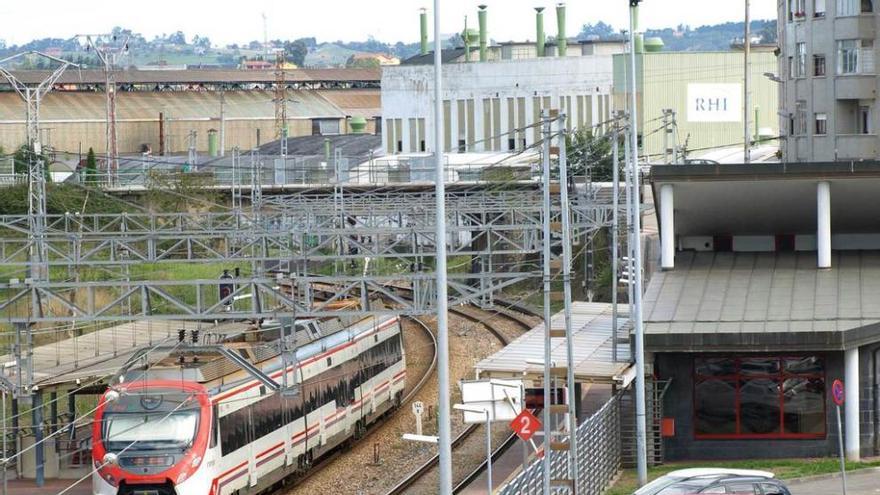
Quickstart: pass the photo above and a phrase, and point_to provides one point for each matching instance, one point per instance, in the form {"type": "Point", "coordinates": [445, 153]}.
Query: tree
{"type": "Point", "coordinates": [255, 45]}
{"type": "Point", "coordinates": [600, 30]}
{"type": "Point", "coordinates": [22, 158]}
{"type": "Point", "coordinates": [177, 38]}
{"type": "Point", "coordinates": [296, 51]}
{"type": "Point", "coordinates": [362, 63]}
{"type": "Point", "coordinates": [91, 171]}
{"type": "Point", "coordinates": [589, 155]}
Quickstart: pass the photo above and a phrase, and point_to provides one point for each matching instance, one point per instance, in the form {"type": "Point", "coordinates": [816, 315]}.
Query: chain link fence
{"type": "Point", "coordinates": [599, 460]}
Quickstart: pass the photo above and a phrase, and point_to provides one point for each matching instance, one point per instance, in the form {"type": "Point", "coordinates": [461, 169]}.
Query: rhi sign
{"type": "Point", "coordinates": [714, 103]}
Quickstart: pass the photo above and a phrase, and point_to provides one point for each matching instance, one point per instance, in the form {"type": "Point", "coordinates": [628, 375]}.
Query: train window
{"type": "Point", "coordinates": [329, 362]}
{"type": "Point", "coordinates": [234, 431]}
{"type": "Point", "coordinates": [215, 424]}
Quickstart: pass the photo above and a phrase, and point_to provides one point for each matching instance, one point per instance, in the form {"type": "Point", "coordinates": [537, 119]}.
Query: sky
{"type": "Point", "coordinates": [227, 21]}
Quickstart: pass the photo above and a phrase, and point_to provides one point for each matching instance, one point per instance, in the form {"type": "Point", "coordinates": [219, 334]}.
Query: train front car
{"type": "Point", "coordinates": [151, 438]}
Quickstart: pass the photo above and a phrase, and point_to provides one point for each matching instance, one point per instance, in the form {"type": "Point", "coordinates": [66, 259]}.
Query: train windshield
{"type": "Point", "coordinates": [150, 420]}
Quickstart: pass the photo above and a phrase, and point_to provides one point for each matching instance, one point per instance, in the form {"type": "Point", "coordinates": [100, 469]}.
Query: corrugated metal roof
{"type": "Point", "coordinates": [195, 76]}
{"type": "Point", "coordinates": [591, 323]}
{"type": "Point", "coordinates": [763, 293]}
{"type": "Point", "coordinates": [355, 102]}
{"type": "Point", "coordinates": [176, 105]}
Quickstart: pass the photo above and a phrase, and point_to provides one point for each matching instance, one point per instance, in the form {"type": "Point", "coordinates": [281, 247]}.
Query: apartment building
{"type": "Point", "coordinates": [828, 79]}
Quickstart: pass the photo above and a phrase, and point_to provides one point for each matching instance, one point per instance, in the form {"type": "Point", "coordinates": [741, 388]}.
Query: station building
{"type": "Point", "coordinates": [769, 291]}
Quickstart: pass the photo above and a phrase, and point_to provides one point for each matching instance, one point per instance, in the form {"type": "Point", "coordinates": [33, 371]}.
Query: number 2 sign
{"type": "Point", "coordinates": [525, 425]}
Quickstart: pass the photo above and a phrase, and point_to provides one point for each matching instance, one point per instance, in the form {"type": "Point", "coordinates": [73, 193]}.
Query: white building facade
{"type": "Point", "coordinates": [493, 106]}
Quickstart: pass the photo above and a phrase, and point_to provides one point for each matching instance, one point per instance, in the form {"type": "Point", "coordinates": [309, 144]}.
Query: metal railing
{"type": "Point", "coordinates": [274, 170]}
{"type": "Point", "coordinates": [599, 459]}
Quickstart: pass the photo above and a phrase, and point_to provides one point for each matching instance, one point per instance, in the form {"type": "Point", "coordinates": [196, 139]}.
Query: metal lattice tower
{"type": "Point", "coordinates": [280, 101]}
{"type": "Point", "coordinates": [108, 48]}
{"type": "Point", "coordinates": [38, 255]}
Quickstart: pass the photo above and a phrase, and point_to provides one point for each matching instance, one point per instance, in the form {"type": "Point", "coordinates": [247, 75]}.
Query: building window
{"type": "Point", "coordinates": [864, 120]}
{"type": "Point", "coordinates": [759, 397]}
{"type": "Point", "coordinates": [801, 66]}
{"type": "Point", "coordinates": [821, 124]}
{"type": "Point", "coordinates": [797, 9]}
{"type": "Point", "coordinates": [818, 65]}
{"type": "Point", "coordinates": [800, 116]}
{"type": "Point", "coordinates": [819, 8]}
{"type": "Point", "coordinates": [847, 56]}
{"type": "Point", "coordinates": [854, 7]}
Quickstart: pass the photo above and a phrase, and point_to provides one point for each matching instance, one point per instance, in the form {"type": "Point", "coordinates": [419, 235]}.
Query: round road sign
{"type": "Point", "coordinates": [837, 393]}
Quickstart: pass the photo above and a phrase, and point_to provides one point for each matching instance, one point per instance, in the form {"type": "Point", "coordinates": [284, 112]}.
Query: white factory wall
{"type": "Point", "coordinates": [484, 100]}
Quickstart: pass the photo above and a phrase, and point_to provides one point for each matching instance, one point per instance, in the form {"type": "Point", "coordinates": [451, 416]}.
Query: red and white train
{"type": "Point", "coordinates": [183, 432]}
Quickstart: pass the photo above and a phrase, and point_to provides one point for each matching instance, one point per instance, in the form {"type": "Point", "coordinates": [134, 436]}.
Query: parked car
{"type": "Point", "coordinates": [715, 480]}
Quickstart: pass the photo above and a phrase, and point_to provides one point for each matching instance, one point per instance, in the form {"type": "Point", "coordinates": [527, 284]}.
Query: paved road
{"type": "Point", "coordinates": [858, 483]}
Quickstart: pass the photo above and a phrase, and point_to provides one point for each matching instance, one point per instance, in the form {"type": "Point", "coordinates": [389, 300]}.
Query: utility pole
{"type": "Point", "coordinates": [747, 45]}
{"type": "Point", "coordinates": [444, 407]}
{"type": "Point", "coordinates": [280, 101]}
{"type": "Point", "coordinates": [635, 222]}
{"type": "Point", "coordinates": [38, 255]}
{"type": "Point", "coordinates": [108, 48]}
{"type": "Point", "coordinates": [222, 122]}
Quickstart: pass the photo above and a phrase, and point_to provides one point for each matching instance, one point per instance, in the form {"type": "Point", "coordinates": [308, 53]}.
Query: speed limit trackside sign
{"type": "Point", "coordinates": [525, 424]}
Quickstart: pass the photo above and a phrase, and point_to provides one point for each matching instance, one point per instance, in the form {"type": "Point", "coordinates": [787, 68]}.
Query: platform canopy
{"type": "Point", "coordinates": [593, 363]}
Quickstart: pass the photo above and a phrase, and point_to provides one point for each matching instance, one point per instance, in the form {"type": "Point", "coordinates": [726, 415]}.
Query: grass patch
{"type": "Point", "coordinates": [782, 468]}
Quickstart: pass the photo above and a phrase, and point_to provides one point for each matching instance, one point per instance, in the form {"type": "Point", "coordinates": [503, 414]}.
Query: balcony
{"type": "Point", "coordinates": [855, 27]}
{"type": "Point", "coordinates": [856, 87]}
{"type": "Point", "coordinates": [856, 146]}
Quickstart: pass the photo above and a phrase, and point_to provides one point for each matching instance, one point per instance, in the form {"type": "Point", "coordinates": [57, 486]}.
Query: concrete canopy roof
{"type": "Point", "coordinates": [769, 199]}
{"type": "Point", "coordinates": [714, 301]}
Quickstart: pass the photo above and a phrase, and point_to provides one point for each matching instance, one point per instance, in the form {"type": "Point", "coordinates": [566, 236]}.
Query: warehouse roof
{"type": "Point", "coordinates": [196, 76]}
{"type": "Point", "coordinates": [591, 323]}
{"type": "Point", "coordinates": [61, 106]}
{"type": "Point", "coordinates": [721, 301]}
{"type": "Point", "coordinates": [355, 102]}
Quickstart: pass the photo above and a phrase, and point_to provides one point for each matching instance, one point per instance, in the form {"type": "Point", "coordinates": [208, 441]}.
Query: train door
{"type": "Point", "coordinates": [253, 475]}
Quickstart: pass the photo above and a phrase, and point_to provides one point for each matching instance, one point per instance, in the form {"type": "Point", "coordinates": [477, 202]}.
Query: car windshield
{"type": "Point", "coordinates": [671, 485]}
{"type": "Point", "coordinates": [156, 420]}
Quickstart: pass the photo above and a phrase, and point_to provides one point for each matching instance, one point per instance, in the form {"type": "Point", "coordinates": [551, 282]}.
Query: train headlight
{"type": "Point", "coordinates": [196, 461]}
{"type": "Point", "coordinates": [111, 396]}
{"type": "Point", "coordinates": [110, 459]}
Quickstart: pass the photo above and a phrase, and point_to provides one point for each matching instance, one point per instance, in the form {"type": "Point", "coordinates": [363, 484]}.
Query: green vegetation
{"type": "Point", "coordinates": [91, 170]}
{"type": "Point", "coordinates": [783, 468]}
{"type": "Point", "coordinates": [60, 199]}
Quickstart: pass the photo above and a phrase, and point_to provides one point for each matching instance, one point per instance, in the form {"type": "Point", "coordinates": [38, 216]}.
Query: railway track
{"type": "Point", "coordinates": [473, 315]}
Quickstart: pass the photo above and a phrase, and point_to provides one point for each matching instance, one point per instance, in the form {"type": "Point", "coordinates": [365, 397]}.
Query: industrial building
{"type": "Point", "coordinates": [769, 292]}
{"type": "Point", "coordinates": [704, 90]}
{"type": "Point", "coordinates": [494, 105]}
{"type": "Point", "coordinates": [237, 103]}
{"type": "Point", "coordinates": [828, 79]}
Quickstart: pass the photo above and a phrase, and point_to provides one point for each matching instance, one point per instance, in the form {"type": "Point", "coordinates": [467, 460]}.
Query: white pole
{"type": "Point", "coordinates": [852, 410]}
{"type": "Point", "coordinates": [667, 227]}
{"type": "Point", "coordinates": [840, 446]}
{"type": "Point", "coordinates": [489, 450]}
{"type": "Point", "coordinates": [445, 433]}
{"type": "Point", "coordinates": [636, 313]}
{"type": "Point", "coordinates": [615, 201]}
{"type": "Point", "coordinates": [747, 45]}
{"type": "Point", "coordinates": [548, 391]}
{"type": "Point", "coordinates": [823, 224]}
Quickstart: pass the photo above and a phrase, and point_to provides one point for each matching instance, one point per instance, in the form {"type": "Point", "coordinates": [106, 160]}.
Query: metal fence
{"type": "Point", "coordinates": [599, 459]}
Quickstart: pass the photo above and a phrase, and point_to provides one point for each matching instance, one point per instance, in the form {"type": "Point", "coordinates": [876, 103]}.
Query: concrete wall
{"type": "Point", "coordinates": [679, 399]}
{"type": "Point", "coordinates": [663, 82]}
{"type": "Point", "coordinates": [581, 86]}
